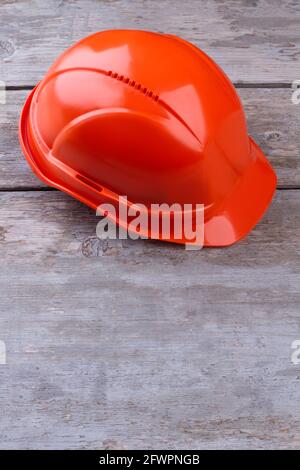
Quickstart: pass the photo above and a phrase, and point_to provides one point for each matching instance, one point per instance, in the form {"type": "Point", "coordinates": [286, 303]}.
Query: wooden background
{"type": "Point", "coordinates": [141, 344]}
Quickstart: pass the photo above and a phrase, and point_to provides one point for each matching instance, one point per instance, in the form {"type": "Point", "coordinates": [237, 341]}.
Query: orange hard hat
{"type": "Point", "coordinates": [151, 117]}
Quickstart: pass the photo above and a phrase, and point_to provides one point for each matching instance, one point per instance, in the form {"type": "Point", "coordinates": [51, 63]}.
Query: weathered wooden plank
{"type": "Point", "coordinates": [252, 41]}
{"type": "Point", "coordinates": [142, 344]}
{"type": "Point", "coordinates": [272, 119]}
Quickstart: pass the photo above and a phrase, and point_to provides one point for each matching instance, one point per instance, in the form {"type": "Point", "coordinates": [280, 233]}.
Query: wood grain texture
{"type": "Point", "coordinates": [142, 344]}
{"type": "Point", "coordinates": [278, 137]}
{"type": "Point", "coordinates": [256, 41]}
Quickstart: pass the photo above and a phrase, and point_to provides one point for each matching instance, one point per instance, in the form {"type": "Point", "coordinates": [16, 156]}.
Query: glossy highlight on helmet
{"type": "Point", "coordinates": [151, 117]}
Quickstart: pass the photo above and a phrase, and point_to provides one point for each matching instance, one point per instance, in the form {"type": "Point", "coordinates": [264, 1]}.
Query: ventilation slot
{"type": "Point", "coordinates": [133, 84]}
{"type": "Point", "coordinates": [89, 182]}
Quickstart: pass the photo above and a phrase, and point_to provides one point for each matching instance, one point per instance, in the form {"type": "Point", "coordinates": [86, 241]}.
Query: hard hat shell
{"type": "Point", "coordinates": [152, 117]}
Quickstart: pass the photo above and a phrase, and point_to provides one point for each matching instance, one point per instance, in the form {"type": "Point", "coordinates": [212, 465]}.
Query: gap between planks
{"type": "Point", "coordinates": [50, 188]}
{"type": "Point", "coordinates": [236, 84]}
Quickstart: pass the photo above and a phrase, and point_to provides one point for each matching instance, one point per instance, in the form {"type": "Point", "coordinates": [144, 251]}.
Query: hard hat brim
{"type": "Point", "coordinates": [245, 205]}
